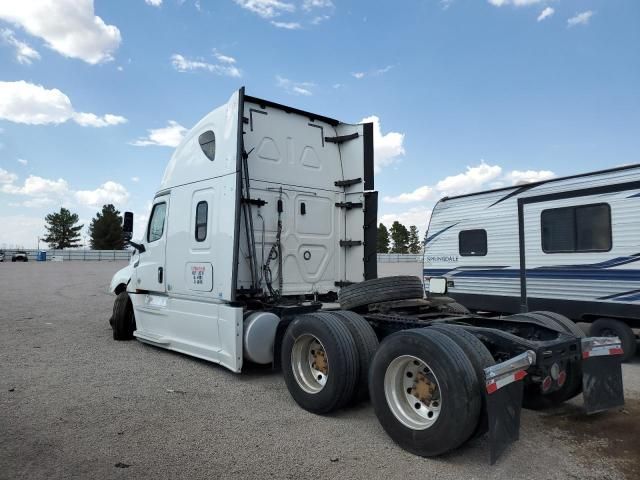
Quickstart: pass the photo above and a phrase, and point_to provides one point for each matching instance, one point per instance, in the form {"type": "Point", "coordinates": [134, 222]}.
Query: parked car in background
{"type": "Point", "coordinates": [20, 256]}
{"type": "Point", "coordinates": [1, 256]}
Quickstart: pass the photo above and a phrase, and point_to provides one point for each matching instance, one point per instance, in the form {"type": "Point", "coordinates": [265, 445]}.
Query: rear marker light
{"type": "Point", "coordinates": [562, 377]}
{"type": "Point", "coordinates": [546, 383]}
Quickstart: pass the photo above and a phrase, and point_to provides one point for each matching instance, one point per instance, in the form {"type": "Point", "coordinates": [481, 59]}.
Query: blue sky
{"type": "Point", "coordinates": [466, 95]}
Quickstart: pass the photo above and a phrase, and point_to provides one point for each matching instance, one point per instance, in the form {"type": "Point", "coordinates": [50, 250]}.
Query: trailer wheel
{"type": "Point", "coordinates": [123, 320]}
{"type": "Point", "coordinates": [385, 289]}
{"type": "Point", "coordinates": [480, 358]}
{"type": "Point", "coordinates": [319, 362]}
{"type": "Point", "coordinates": [366, 344]}
{"type": "Point", "coordinates": [424, 391]}
{"type": "Point", "coordinates": [609, 327]}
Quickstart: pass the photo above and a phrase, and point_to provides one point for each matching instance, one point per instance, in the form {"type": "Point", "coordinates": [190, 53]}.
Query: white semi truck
{"type": "Point", "coordinates": [261, 247]}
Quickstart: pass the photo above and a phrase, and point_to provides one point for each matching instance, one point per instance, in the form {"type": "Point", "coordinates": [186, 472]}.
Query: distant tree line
{"type": "Point", "coordinates": [105, 230]}
{"type": "Point", "coordinates": [398, 239]}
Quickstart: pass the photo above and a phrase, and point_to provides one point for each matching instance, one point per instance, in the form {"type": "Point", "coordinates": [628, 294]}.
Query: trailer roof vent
{"type": "Point", "coordinates": [207, 142]}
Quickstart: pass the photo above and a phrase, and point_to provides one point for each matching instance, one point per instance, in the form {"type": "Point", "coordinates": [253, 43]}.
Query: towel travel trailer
{"type": "Point", "coordinates": [570, 245]}
{"type": "Point", "coordinates": [266, 216]}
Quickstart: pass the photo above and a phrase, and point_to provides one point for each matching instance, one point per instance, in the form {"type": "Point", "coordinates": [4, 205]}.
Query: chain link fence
{"type": "Point", "coordinates": [399, 258]}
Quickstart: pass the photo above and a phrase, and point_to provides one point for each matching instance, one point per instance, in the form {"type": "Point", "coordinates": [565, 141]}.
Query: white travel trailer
{"type": "Point", "coordinates": [266, 216]}
{"type": "Point", "coordinates": [570, 245]}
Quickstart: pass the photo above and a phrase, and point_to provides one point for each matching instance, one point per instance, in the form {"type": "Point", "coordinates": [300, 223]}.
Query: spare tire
{"type": "Point", "coordinates": [385, 289]}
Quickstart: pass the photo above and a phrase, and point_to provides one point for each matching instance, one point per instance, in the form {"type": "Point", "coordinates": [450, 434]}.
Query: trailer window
{"type": "Point", "coordinates": [156, 224]}
{"type": "Point", "coordinates": [201, 221]}
{"type": "Point", "coordinates": [473, 243]}
{"type": "Point", "coordinates": [207, 142]}
{"type": "Point", "coordinates": [583, 228]}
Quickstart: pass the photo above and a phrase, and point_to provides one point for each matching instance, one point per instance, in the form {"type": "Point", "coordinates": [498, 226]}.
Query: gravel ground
{"type": "Point", "coordinates": [75, 403]}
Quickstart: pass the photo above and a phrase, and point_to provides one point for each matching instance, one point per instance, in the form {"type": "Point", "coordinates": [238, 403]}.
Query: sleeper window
{"type": "Point", "coordinates": [156, 224]}
{"type": "Point", "coordinates": [207, 142]}
{"type": "Point", "coordinates": [583, 228]}
{"type": "Point", "coordinates": [201, 221]}
{"type": "Point", "coordinates": [473, 243]}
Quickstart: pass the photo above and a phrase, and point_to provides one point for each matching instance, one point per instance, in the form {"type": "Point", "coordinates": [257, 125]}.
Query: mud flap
{"type": "Point", "coordinates": [503, 393]}
{"type": "Point", "coordinates": [602, 374]}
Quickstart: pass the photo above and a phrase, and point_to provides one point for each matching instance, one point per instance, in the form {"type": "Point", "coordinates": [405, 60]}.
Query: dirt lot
{"type": "Point", "coordinates": [74, 403]}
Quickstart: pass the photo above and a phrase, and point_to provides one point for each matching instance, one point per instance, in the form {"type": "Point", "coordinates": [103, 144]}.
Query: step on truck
{"type": "Point", "coordinates": [261, 248]}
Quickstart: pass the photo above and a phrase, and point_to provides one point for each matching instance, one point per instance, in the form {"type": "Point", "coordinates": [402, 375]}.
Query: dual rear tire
{"type": "Point", "coordinates": [425, 384]}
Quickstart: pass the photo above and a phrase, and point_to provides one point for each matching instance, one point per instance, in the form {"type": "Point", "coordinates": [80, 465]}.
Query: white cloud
{"type": "Point", "coordinates": [92, 120]}
{"type": "Point", "coordinates": [287, 25]}
{"type": "Point", "coordinates": [153, 3]}
{"type": "Point", "coordinates": [387, 147]}
{"type": "Point", "coordinates": [24, 53]}
{"type": "Point", "coordinates": [582, 18]}
{"type": "Point", "coordinates": [267, 8]}
{"type": "Point", "coordinates": [135, 179]}
{"type": "Point", "coordinates": [295, 88]}
{"type": "Point", "coordinates": [547, 12]}
{"type": "Point", "coordinates": [319, 19]}
{"type": "Point", "coordinates": [311, 4]}
{"type": "Point", "coordinates": [223, 58]}
{"type": "Point", "coordinates": [420, 194]}
{"type": "Point", "coordinates": [23, 102]}
{"type": "Point", "coordinates": [476, 178]}
{"type": "Point", "coordinates": [108, 192]}
{"type": "Point", "coordinates": [70, 27]}
{"type": "Point", "coordinates": [7, 177]}
{"type": "Point", "coordinates": [169, 136]}
{"type": "Point", "coordinates": [518, 177]}
{"type": "Point", "coordinates": [516, 3]}
{"type": "Point", "coordinates": [22, 161]}
{"type": "Point", "coordinates": [469, 181]}
{"type": "Point", "coordinates": [372, 73]}
{"type": "Point", "coordinates": [418, 216]}
{"type": "Point", "coordinates": [35, 186]}
{"type": "Point", "coordinates": [20, 231]}
{"type": "Point", "coordinates": [182, 64]}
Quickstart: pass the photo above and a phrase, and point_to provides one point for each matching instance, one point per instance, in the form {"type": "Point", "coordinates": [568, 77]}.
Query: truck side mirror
{"type": "Point", "coordinates": [127, 224]}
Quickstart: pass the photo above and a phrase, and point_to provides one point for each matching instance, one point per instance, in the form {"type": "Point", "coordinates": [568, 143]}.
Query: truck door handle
{"type": "Point", "coordinates": [159, 274]}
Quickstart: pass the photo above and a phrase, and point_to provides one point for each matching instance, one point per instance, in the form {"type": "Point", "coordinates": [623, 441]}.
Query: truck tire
{"type": "Point", "coordinates": [319, 362]}
{"type": "Point", "coordinates": [610, 327]}
{"type": "Point", "coordinates": [456, 308]}
{"type": "Point", "coordinates": [385, 289]}
{"type": "Point", "coordinates": [533, 398]}
{"type": "Point", "coordinates": [366, 344]}
{"type": "Point", "coordinates": [565, 323]}
{"type": "Point", "coordinates": [123, 320]}
{"type": "Point", "coordinates": [411, 373]}
{"type": "Point", "coordinates": [480, 358]}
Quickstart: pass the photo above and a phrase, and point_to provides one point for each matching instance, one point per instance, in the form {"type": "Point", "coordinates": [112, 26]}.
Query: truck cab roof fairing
{"type": "Point", "coordinates": [189, 164]}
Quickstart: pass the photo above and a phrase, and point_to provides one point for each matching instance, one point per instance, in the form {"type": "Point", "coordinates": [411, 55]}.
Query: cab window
{"type": "Point", "coordinates": [156, 224]}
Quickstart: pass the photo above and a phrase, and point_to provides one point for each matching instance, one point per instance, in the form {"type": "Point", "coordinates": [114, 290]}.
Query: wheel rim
{"type": "Point", "coordinates": [310, 363]}
{"type": "Point", "coordinates": [412, 392]}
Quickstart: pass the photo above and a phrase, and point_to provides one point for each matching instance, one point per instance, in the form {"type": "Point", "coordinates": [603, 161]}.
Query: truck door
{"type": "Point", "coordinates": [150, 272]}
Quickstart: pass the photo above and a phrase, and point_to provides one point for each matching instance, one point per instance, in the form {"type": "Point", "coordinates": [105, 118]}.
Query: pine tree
{"type": "Point", "coordinates": [62, 231]}
{"type": "Point", "coordinates": [383, 239]}
{"type": "Point", "coordinates": [106, 230]}
{"type": "Point", "coordinates": [400, 237]}
{"type": "Point", "coordinates": [414, 240]}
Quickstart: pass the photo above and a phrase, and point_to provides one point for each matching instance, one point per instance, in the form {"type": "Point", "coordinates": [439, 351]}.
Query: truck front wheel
{"type": "Point", "coordinates": [425, 391]}
{"type": "Point", "coordinates": [319, 362]}
{"type": "Point", "coordinates": [123, 321]}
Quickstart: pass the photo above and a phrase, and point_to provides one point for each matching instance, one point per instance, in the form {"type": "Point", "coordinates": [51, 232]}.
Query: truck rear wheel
{"type": "Point", "coordinates": [123, 321]}
{"type": "Point", "coordinates": [319, 362]}
{"type": "Point", "coordinates": [610, 327]}
{"type": "Point", "coordinates": [480, 358]}
{"type": "Point", "coordinates": [424, 391]}
{"type": "Point", "coordinates": [366, 344]}
{"type": "Point", "coordinates": [385, 289]}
